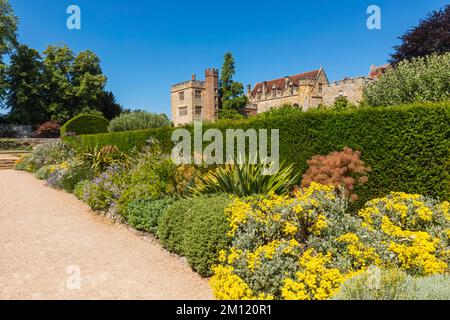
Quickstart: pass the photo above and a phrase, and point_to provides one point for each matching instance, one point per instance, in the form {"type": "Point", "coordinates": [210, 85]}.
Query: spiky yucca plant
{"type": "Point", "coordinates": [245, 180]}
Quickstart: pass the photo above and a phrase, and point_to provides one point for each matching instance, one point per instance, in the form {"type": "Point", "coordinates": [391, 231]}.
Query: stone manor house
{"type": "Point", "coordinates": [199, 100]}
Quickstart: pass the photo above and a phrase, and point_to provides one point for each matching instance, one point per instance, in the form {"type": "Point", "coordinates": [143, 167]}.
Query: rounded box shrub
{"type": "Point", "coordinates": [197, 229]}
{"type": "Point", "coordinates": [85, 124]}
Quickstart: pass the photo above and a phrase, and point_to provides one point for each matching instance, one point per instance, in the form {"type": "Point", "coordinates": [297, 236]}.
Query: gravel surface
{"type": "Point", "coordinates": [52, 246]}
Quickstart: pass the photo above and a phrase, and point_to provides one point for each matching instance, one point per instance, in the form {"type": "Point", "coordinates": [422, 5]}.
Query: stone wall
{"type": "Point", "coordinates": [351, 88]}
{"type": "Point", "coordinates": [16, 131]}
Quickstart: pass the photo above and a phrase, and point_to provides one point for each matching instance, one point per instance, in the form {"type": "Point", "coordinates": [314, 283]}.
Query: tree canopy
{"type": "Point", "coordinates": [432, 35]}
{"type": "Point", "coordinates": [231, 92]}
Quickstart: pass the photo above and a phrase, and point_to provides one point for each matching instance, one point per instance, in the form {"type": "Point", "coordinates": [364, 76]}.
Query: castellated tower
{"type": "Point", "coordinates": [196, 100]}
{"type": "Point", "coordinates": [211, 100]}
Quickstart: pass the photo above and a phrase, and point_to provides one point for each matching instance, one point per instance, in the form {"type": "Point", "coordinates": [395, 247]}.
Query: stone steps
{"type": "Point", "coordinates": [7, 164]}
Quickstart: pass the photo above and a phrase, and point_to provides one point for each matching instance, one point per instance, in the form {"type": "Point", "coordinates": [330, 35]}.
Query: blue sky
{"type": "Point", "coordinates": [146, 46]}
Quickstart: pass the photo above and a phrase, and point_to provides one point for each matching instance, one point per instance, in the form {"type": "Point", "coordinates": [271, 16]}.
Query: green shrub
{"type": "Point", "coordinates": [152, 176]}
{"type": "Point", "coordinates": [205, 232]}
{"type": "Point", "coordinates": [51, 153]}
{"type": "Point", "coordinates": [144, 214]}
{"type": "Point", "coordinates": [76, 172]}
{"type": "Point", "coordinates": [376, 284]}
{"type": "Point", "coordinates": [419, 79]}
{"type": "Point", "coordinates": [126, 141]}
{"type": "Point", "coordinates": [85, 124]}
{"type": "Point", "coordinates": [138, 121]}
{"type": "Point", "coordinates": [435, 287]}
{"type": "Point", "coordinates": [100, 158]}
{"type": "Point", "coordinates": [393, 284]}
{"type": "Point", "coordinates": [196, 228]}
{"type": "Point", "coordinates": [43, 173]}
{"type": "Point", "coordinates": [172, 225]}
{"type": "Point", "coordinates": [246, 180]}
{"type": "Point", "coordinates": [14, 144]}
{"type": "Point", "coordinates": [406, 146]}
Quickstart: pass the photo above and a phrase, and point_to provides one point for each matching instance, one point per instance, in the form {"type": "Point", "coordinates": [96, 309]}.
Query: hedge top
{"type": "Point", "coordinates": [85, 124]}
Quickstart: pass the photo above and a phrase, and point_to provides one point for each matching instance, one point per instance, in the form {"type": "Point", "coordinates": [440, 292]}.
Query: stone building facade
{"type": "Point", "coordinates": [350, 88]}
{"type": "Point", "coordinates": [305, 91]}
{"type": "Point", "coordinates": [195, 99]}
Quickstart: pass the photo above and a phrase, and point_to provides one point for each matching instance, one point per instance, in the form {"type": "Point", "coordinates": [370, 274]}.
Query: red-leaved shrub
{"type": "Point", "coordinates": [344, 169]}
{"type": "Point", "coordinates": [49, 129]}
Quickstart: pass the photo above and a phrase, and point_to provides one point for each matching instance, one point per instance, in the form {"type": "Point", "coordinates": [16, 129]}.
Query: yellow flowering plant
{"type": "Point", "coordinates": [411, 232]}
{"type": "Point", "coordinates": [305, 246]}
{"type": "Point", "coordinates": [270, 236]}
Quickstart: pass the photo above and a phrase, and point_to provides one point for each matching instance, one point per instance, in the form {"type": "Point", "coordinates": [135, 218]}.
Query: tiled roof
{"type": "Point", "coordinates": [376, 72]}
{"type": "Point", "coordinates": [280, 83]}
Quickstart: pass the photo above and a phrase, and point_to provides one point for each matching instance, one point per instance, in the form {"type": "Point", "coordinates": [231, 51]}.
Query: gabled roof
{"type": "Point", "coordinates": [280, 83]}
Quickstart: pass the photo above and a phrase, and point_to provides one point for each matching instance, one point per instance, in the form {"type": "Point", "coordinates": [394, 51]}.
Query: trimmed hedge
{"type": "Point", "coordinates": [407, 146]}
{"type": "Point", "coordinates": [196, 228]}
{"type": "Point", "coordinates": [85, 124]}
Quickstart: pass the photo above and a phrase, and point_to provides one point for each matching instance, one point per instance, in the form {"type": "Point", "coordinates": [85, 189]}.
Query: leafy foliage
{"type": "Point", "coordinates": [418, 79]}
{"type": "Point", "coordinates": [24, 78]}
{"type": "Point", "coordinates": [137, 121]}
{"type": "Point", "coordinates": [144, 214]}
{"type": "Point", "coordinates": [101, 158]}
{"type": "Point", "coordinates": [51, 153]}
{"type": "Point", "coordinates": [231, 93]}
{"type": "Point", "coordinates": [305, 247]}
{"type": "Point", "coordinates": [429, 37]}
{"type": "Point", "coordinates": [49, 129]}
{"type": "Point", "coordinates": [196, 228]}
{"type": "Point", "coordinates": [393, 284]}
{"type": "Point", "coordinates": [85, 124]}
{"type": "Point", "coordinates": [245, 180]}
{"type": "Point", "coordinates": [8, 39]}
{"type": "Point", "coordinates": [343, 168]}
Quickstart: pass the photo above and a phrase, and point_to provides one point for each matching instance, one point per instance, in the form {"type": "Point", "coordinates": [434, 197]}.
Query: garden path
{"type": "Point", "coordinates": [48, 237]}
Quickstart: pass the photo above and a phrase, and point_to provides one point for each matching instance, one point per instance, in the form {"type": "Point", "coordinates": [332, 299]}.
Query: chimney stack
{"type": "Point", "coordinates": [249, 89]}
{"type": "Point", "coordinates": [194, 77]}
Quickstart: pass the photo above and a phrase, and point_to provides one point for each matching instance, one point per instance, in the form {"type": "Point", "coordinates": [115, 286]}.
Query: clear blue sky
{"type": "Point", "coordinates": [145, 46]}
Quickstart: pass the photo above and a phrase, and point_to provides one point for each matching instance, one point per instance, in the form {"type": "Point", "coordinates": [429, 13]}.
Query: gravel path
{"type": "Point", "coordinates": [48, 238]}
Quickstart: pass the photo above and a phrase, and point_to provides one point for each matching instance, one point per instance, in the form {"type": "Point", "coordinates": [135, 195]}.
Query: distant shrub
{"type": "Point", "coordinates": [144, 214]}
{"type": "Point", "coordinates": [137, 121]}
{"type": "Point", "coordinates": [420, 79]}
{"type": "Point", "coordinates": [343, 168]}
{"type": "Point", "coordinates": [196, 228]}
{"type": "Point", "coordinates": [85, 124]}
{"type": "Point", "coordinates": [49, 129]}
{"type": "Point", "coordinates": [283, 110]}
{"type": "Point", "coordinates": [230, 114]}
{"type": "Point", "coordinates": [14, 144]}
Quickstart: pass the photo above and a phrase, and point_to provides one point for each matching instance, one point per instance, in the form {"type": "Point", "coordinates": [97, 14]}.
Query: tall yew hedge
{"type": "Point", "coordinates": [407, 146]}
